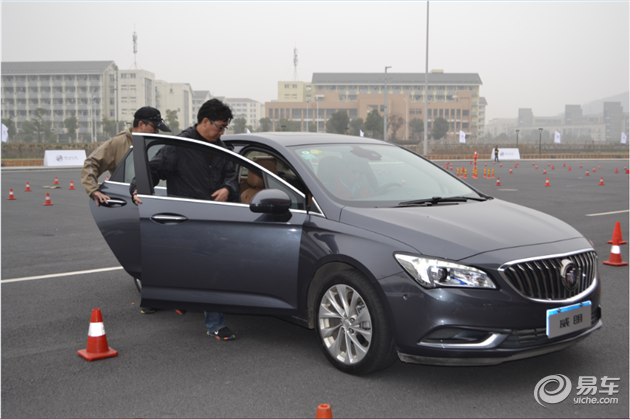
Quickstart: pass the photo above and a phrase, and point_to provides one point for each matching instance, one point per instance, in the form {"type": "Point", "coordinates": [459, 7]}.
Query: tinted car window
{"type": "Point", "coordinates": [377, 175]}
{"type": "Point", "coordinates": [130, 169]}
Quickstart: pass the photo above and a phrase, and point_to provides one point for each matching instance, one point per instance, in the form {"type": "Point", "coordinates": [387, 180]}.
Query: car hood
{"type": "Point", "coordinates": [460, 231]}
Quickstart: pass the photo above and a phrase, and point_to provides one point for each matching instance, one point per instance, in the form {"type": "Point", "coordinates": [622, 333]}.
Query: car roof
{"type": "Point", "coordinates": [290, 139]}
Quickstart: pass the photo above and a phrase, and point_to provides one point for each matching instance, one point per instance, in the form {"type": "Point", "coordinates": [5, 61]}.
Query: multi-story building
{"type": "Point", "coordinates": [199, 98]}
{"type": "Point", "coordinates": [175, 97]}
{"type": "Point", "coordinates": [453, 96]}
{"type": "Point", "coordinates": [614, 120]}
{"type": "Point", "coordinates": [249, 109]}
{"type": "Point", "coordinates": [83, 89]}
{"type": "Point", "coordinates": [136, 89]}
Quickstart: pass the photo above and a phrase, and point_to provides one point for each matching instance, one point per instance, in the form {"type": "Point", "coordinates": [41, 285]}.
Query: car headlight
{"type": "Point", "coordinates": [434, 273]}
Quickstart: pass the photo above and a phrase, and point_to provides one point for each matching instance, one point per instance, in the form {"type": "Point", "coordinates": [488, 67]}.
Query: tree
{"type": "Point", "coordinates": [338, 123]}
{"type": "Point", "coordinates": [239, 125]}
{"type": "Point", "coordinates": [395, 121]}
{"type": "Point", "coordinates": [71, 124]}
{"type": "Point", "coordinates": [503, 137]}
{"type": "Point", "coordinates": [374, 124]}
{"type": "Point", "coordinates": [109, 126]}
{"type": "Point", "coordinates": [172, 121]}
{"type": "Point", "coordinates": [416, 126]}
{"type": "Point", "coordinates": [312, 127]}
{"type": "Point", "coordinates": [265, 125]}
{"type": "Point", "coordinates": [356, 126]}
{"type": "Point", "coordinates": [12, 131]}
{"type": "Point", "coordinates": [289, 126]}
{"type": "Point", "coordinates": [440, 128]}
{"type": "Point", "coordinates": [38, 130]}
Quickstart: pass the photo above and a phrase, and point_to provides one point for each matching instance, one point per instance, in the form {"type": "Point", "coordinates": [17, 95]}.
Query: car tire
{"type": "Point", "coordinates": [138, 284]}
{"type": "Point", "coordinates": [351, 325]}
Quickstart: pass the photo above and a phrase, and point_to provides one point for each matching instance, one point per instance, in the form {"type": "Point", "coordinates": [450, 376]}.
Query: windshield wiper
{"type": "Point", "coordinates": [437, 199]}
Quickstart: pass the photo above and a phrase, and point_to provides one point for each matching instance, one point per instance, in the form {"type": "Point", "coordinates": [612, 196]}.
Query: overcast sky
{"type": "Point", "coordinates": [539, 55]}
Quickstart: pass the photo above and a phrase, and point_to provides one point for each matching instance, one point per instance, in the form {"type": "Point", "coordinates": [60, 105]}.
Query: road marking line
{"type": "Point", "coordinates": [606, 213]}
{"type": "Point", "coordinates": [29, 278]}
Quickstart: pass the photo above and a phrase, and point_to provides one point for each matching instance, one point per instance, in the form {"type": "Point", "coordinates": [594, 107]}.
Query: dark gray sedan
{"type": "Point", "coordinates": [382, 252]}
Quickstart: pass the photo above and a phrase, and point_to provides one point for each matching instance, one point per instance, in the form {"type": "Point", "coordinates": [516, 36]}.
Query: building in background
{"type": "Point", "coordinates": [199, 98]}
{"type": "Point", "coordinates": [453, 96]}
{"type": "Point", "coordinates": [136, 89]}
{"type": "Point", "coordinates": [175, 97]}
{"type": "Point", "coordinates": [249, 109]}
{"type": "Point", "coordinates": [83, 89]}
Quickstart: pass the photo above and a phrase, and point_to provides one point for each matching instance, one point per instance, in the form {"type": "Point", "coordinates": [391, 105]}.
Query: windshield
{"type": "Point", "coordinates": [377, 175]}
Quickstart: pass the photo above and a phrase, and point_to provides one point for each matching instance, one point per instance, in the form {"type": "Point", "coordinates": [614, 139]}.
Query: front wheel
{"type": "Point", "coordinates": [352, 326]}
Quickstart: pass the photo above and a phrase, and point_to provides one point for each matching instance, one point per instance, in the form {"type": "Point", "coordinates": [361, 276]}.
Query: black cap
{"type": "Point", "coordinates": [148, 113]}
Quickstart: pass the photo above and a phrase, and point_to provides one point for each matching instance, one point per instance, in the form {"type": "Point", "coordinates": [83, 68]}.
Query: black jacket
{"type": "Point", "coordinates": [192, 174]}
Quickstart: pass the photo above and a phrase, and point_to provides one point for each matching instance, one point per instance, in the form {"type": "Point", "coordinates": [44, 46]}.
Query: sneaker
{"type": "Point", "coordinates": [147, 310]}
{"type": "Point", "coordinates": [222, 334]}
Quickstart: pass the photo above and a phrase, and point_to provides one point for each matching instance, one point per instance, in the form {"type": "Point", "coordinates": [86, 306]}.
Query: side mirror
{"type": "Point", "coordinates": [270, 201]}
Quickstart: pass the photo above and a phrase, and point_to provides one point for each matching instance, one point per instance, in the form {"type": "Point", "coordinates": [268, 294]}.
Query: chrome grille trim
{"type": "Point", "coordinates": [538, 279]}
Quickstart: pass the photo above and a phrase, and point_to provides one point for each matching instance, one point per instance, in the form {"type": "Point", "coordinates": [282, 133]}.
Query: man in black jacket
{"type": "Point", "coordinates": [198, 175]}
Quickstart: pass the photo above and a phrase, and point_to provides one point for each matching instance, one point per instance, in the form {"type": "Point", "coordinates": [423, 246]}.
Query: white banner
{"type": "Point", "coordinates": [507, 154]}
{"type": "Point", "coordinates": [64, 157]}
{"type": "Point", "coordinates": [361, 133]}
{"type": "Point", "coordinates": [462, 137]}
{"type": "Point", "coordinates": [5, 133]}
{"type": "Point", "coordinates": [624, 138]}
{"type": "Point", "coordinates": [557, 137]}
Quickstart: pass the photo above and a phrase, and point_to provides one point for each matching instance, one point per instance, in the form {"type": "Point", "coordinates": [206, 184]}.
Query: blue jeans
{"type": "Point", "coordinates": [214, 321]}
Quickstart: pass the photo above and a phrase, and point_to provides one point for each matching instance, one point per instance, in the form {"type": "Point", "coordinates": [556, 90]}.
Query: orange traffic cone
{"type": "Point", "coordinates": [28, 188]}
{"type": "Point", "coordinates": [601, 181]}
{"type": "Point", "coordinates": [71, 186]}
{"type": "Point", "coordinates": [106, 178]}
{"type": "Point", "coordinates": [593, 170]}
{"type": "Point", "coordinates": [548, 164]}
{"type": "Point", "coordinates": [498, 182]}
{"type": "Point", "coordinates": [324, 411]}
{"type": "Point", "coordinates": [565, 164]}
{"type": "Point", "coordinates": [587, 173]}
{"type": "Point", "coordinates": [11, 196]}
{"type": "Point", "coordinates": [536, 167]}
{"type": "Point", "coordinates": [580, 165]}
{"type": "Point", "coordinates": [547, 182]}
{"type": "Point", "coordinates": [544, 171]}
{"type": "Point", "coordinates": [616, 171]}
{"type": "Point", "coordinates": [569, 168]}
{"type": "Point", "coordinates": [533, 163]}
{"type": "Point", "coordinates": [47, 202]}
{"type": "Point", "coordinates": [500, 164]}
{"type": "Point", "coordinates": [615, 255]}
{"type": "Point", "coordinates": [599, 167]}
{"type": "Point", "coordinates": [97, 341]}
{"type": "Point", "coordinates": [510, 170]}
{"type": "Point", "coordinates": [617, 234]}
{"type": "Point", "coordinates": [552, 167]}
{"type": "Point", "coordinates": [56, 181]}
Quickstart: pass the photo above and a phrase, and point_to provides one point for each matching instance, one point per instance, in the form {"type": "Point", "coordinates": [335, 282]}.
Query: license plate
{"type": "Point", "coordinates": [569, 319]}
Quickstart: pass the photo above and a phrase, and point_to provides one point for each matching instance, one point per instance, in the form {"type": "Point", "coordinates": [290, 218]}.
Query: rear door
{"type": "Point", "coordinates": [200, 254]}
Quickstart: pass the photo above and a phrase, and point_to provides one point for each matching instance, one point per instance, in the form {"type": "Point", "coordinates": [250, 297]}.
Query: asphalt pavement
{"type": "Point", "coordinates": [168, 367]}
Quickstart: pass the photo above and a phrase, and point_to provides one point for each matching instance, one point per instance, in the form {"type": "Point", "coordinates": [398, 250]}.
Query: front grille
{"type": "Point", "coordinates": [540, 279]}
{"type": "Point", "coordinates": [531, 337]}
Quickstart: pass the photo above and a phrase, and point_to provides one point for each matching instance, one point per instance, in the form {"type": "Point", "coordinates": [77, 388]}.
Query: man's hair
{"type": "Point", "coordinates": [215, 110]}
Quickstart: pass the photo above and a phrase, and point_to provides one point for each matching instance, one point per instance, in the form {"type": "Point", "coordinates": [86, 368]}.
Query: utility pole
{"type": "Point", "coordinates": [385, 109]}
{"type": "Point", "coordinates": [426, 84]}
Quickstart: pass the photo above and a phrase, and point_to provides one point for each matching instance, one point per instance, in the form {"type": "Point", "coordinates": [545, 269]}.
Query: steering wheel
{"type": "Point", "coordinates": [386, 186]}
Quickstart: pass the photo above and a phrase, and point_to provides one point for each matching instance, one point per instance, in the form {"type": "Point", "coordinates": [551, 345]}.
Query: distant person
{"type": "Point", "coordinates": [496, 153]}
{"type": "Point", "coordinates": [108, 156]}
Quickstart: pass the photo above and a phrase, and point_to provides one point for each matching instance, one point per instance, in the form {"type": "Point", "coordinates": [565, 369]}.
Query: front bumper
{"type": "Point", "coordinates": [499, 355]}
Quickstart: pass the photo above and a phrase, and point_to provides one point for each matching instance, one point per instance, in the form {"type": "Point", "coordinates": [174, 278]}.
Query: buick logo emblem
{"type": "Point", "coordinates": [570, 275]}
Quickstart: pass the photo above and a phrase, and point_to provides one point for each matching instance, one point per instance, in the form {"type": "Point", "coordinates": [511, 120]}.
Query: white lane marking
{"type": "Point", "coordinates": [606, 213]}
{"type": "Point", "coordinates": [29, 278]}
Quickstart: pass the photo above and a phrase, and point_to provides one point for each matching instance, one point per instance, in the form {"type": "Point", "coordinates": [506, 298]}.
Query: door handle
{"type": "Point", "coordinates": [168, 218]}
{"type": "Point", "coordinates": [114, 202]}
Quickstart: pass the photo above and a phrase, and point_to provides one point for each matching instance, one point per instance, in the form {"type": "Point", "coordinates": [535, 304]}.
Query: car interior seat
{"type": "Point", "coordinates": [255, 183]}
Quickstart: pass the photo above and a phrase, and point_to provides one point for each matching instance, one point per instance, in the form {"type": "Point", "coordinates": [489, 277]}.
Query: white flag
{"type": "Point", "coordinates": [5, 133]}
{"type": "Point", "coordinates": [462, 137]}
{"type": "Point", "coordinates": [556, 138]}
{"type": "Point", "coordinates": [248, 131]}
{"type": "Point", "coordinates": [624, 137]}
{"type": "Point", "coordinates": [361, 133]}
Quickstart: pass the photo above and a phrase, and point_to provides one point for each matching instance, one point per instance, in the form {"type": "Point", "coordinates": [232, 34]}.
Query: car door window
{"type": "Point", "coordinates": [130, 169]}
{"type": "Point", "coordinates": [288, 182]}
